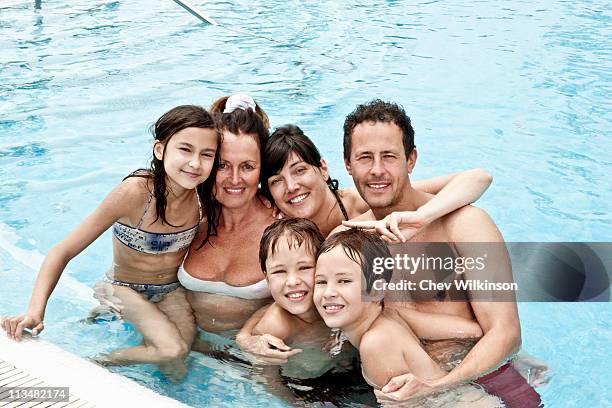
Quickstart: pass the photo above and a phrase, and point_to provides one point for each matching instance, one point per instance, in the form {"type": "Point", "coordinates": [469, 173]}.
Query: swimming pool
{"type": "Point", "coordinates": [520, 89]}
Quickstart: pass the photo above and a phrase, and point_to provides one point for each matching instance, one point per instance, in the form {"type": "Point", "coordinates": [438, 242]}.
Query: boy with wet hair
{"type": "Point", "coordinates": [348, 299]}
{"type": "Point", "coordinates": [287, 255]}
{"type": "Point", "coordinates": [288, 250]}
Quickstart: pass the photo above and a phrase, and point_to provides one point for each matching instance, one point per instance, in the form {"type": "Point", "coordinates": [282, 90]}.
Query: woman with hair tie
{"type": "Point", "coordinates": [224, 282]}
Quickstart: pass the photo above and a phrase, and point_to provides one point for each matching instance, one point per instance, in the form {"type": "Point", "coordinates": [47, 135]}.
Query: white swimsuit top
{"type": "Point", "coordinates": [257, 290]}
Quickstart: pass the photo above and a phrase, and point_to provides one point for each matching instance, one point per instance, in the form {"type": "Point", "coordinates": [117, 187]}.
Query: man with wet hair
{"type": "Point", "coordinates": [380, 154]}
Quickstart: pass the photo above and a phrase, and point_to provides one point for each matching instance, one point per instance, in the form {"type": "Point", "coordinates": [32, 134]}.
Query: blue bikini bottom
{"type": "Point", "coordinates": [153, 293]}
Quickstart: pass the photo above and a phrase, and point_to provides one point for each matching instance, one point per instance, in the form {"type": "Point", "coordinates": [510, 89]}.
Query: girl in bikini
{"type": "Point", "coordinates": [155, 214]}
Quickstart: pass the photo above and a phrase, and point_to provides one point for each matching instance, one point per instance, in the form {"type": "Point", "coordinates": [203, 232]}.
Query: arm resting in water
{"type": "Point", "coordinates": [266, 347]}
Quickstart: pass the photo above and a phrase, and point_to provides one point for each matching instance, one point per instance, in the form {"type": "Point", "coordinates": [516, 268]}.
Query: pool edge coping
{"type": "Point", "coordinates": [56, 366]}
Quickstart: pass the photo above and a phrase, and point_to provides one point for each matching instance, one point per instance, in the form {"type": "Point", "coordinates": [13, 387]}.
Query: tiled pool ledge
{"type": "Point", "coordinates": [35, 362]}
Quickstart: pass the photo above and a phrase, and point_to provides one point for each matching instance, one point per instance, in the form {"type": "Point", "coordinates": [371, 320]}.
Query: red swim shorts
{"type": "Point", "coordinates": [507, 384]}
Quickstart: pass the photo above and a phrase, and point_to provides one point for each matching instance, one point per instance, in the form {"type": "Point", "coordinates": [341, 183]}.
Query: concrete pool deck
{"type": "Point", "coordinates": [35, 362]}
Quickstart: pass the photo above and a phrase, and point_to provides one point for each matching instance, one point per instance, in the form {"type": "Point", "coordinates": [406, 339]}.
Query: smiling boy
{"type": "Point", "coordinates": [346, 298]}
{"type": "Point", "coordinates": [287, 256]}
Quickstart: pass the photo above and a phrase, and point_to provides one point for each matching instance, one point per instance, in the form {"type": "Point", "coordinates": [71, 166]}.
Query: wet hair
{"type": "Point", "coordinates": [169, 124]}
{"type": "Point", "coordinates": [283, 141]}
{"type": "Point", "coordinates": [362, 247]}
{"type": "Point", "coordinates": [297, 231]}
{"type": "Point", "coordinates": [378, 111]}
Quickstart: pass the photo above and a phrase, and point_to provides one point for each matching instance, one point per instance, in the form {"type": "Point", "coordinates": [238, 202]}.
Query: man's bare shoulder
{"type": "Point", "coordinates": [467, 213]}
{"type": "Point", "coordinates": [470, 224]}
{"type": "Point", "coordinates": [367, 216]}
{"type": "Point", "coordinates": [354, 203]}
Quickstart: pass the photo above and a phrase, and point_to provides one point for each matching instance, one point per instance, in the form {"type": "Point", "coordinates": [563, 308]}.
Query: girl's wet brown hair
{"type": "Point", "coordinates": [169, 124]}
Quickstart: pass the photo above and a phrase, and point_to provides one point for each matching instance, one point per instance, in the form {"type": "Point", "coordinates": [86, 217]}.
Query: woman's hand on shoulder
{"type": "Point", "coordinates": [399, 226]}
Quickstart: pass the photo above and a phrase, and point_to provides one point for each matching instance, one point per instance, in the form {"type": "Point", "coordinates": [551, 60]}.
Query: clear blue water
{"type": "Point", "coordinates": [523, 89]}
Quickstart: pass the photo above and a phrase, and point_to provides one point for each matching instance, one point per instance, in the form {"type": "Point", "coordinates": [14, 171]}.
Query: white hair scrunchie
{"type": "Point", "coordinates": [239, 101]}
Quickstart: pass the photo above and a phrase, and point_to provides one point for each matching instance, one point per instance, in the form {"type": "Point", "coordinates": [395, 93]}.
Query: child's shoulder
{"type": "Point", "coordinates": [277, 322]}
{"type": "Point", "coordinates": [381, 351]}
{"type": "Point", "coordinates": [376, 339]}
{"type": "Point", "coordinates": [137, 184]}
{"type": "Point", "coordinates": [129, 195]}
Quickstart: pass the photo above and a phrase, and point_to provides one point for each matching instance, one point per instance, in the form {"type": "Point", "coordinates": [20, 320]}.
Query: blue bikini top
{"type": "Point", "coordinates": [155, 242]}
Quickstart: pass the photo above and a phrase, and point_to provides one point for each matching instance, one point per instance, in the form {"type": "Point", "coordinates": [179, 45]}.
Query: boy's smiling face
{"type": "Point", "coordinates": [338, 289]}
{"type": "Point", "coordinates": [290, 276]}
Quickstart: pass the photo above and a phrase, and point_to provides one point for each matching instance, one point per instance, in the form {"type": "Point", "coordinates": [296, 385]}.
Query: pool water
{"type": "Point", "coordinates": [522, 89]}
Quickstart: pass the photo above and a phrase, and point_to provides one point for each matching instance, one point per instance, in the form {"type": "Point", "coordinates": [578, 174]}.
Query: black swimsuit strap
{"type": "Point", "coordinates": [333, 186]}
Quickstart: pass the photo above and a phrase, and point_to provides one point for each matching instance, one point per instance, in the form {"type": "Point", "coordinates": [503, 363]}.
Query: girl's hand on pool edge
{"type": "Point", "coordinates": [14, 325]}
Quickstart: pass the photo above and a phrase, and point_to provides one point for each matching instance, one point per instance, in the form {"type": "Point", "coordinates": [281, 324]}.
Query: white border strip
{"type": "Point", "coordinates": [87, 380]}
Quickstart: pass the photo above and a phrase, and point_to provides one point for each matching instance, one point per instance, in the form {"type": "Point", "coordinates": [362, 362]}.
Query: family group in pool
{"type": "Point", "coordinates": [233, 228]}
